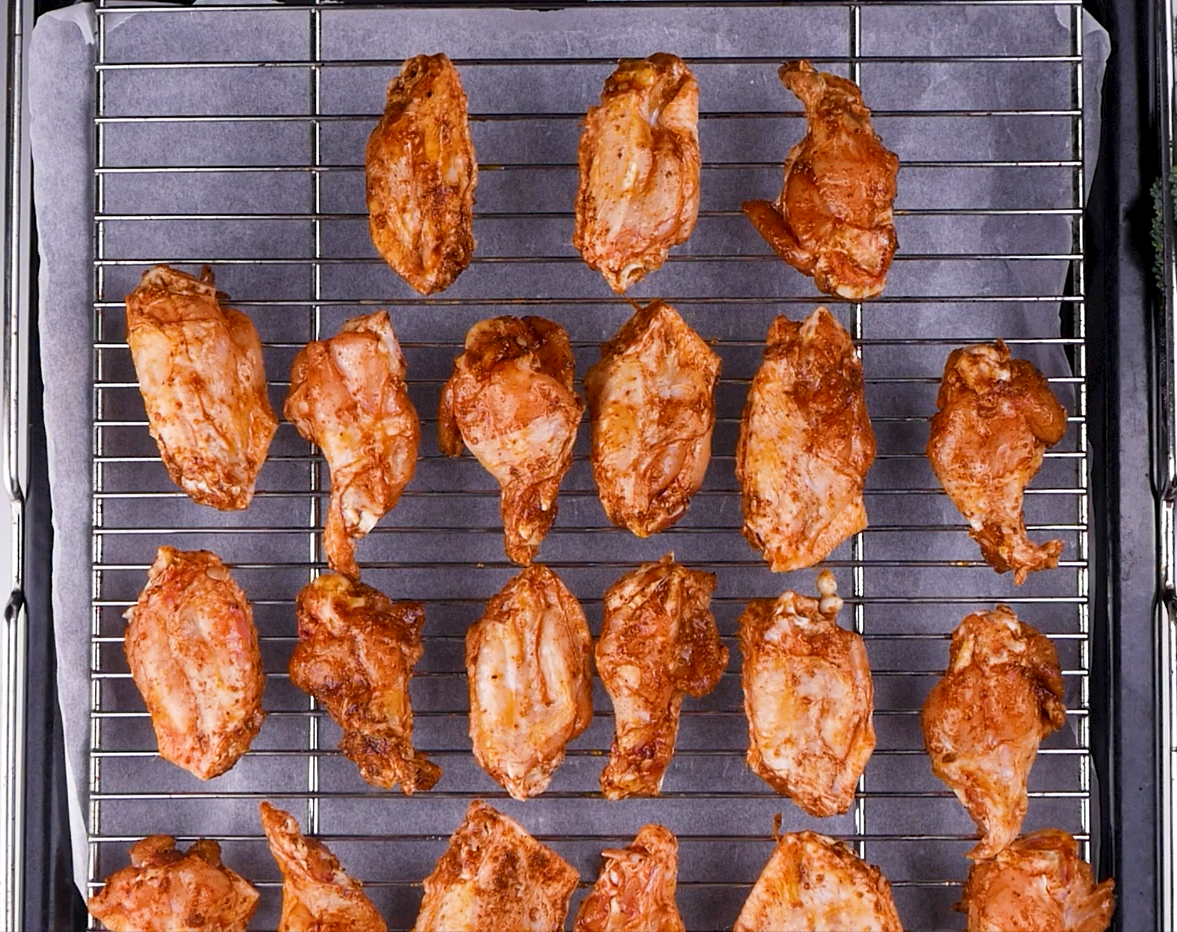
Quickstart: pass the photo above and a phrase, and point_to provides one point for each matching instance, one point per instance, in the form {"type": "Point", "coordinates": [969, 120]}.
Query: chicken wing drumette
{"type": "Point", "coordinates": [635, 892]}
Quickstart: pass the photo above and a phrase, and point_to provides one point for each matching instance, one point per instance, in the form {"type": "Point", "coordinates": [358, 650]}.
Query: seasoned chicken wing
{"type": "Point", "coordinates": [996, 416]}
{"type": "Point", "coordinates": [348, 395]}
{"type": "Point", "coordinates": [193, 653]}
{"type": "Point", "coordinates": [529, 666]}
{"type": "Point", "coordinates": [805, 444]}
{"type": "Point", "coordinates": [510, 399]}
{"type": "Point", "coordinates": [494, 877]}
{"type": "Point", "coordinates": [639, 169]}
{"type": "Point", "coordinates": [200, 372]}
{"type": "Point", "coordinates": [809, 698]}
{"type": "Point", "coordinates": [165, 890]}
{"type": "Point", "coordinates": [658, 642]}
{"type": "Point", "coordinates": [355, 654]}
{"type": "Point", "coordinates": [833, 217]}
{"type": "Point", "coordinates": [1001, 695]}
{"type": "Point", "coordinates": [421, 173]}
{"type": "Point", "coordinates": [635, 892]}
{"type": "Point", "coordinates": [652, 405]}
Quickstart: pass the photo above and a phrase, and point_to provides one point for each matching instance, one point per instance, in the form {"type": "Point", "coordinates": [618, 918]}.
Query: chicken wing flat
{"type": "Point", "coordinates": [809, 698]}
{"type": "Point", "coordinates": [651, 399]}
{"type": "Point", "coordinates": [635, 892]}
{"type": "Point", "coordinates": [494, 877]}
{"type": "Point", "coordinates": [658, 642]}
{"type": "Point", "coordinates": [348, 395]}
{"type": "Point", "coordinates": [193, 653]}
{"type": "Point", "coordinates": [529, 665]}
{"type": "Point", "coordinates": [639, 169]}
{"type": "Point", "coordinates": [421, 174]}
{"type": "Point", "coordinates": [355, 654]}
{"type": "Point", "coordinates": [833, 218]}
{"type": "Point", "coordinates": [510, 399]}
{"type": "Point", "coordinates": [165, 890]}
{"type": "Point", "coordinates": [805, 444]}
{"type": "Point", "coordinates": [317, 894]}
{"type": "Point", "coordinates": [982, 722]}
{"type": "Point", "coordinates": [200, 372]}
{"type": "Point", "coordinates": [996, 416]}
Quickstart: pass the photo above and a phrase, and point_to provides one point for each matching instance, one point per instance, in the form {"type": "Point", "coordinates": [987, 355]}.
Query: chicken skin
{"type": "Point", "coordinates": [348, 395]}
{"type": "Point", "coordinates": [996, 416]}
{"type": "Point", "coordinates": [652, 405]}
{"type": "Point", "coordinates": [165, 890]}
{"type": "Point", "coordinates": [421, 173]}
{"type": "Point", "coordinates": [355, 654]}
{"type": "Point", "coordinates": [982, 722]}
{"type": "Point", "coordinates": [529, 665]}
{"type": "Point", "coordinates": [809, 698]}
{"type": "Point", "coordinates": [805, 444]}
{"type": "Point", "coordinates": [635, 892]}
{"type": "Point", "coordinates": [193, 653]}
{"type": "Point", "coordinates": [494, 877]}
{"type": "Point", "coordinates": [639, 169]}
{"type": "Point", "coordinates": [200, 372]}
{"type": "Point", "coordinates": [510, 399]}
{"type": "Point", "coordinates": [658, 642]}
{"type": "Point", "coordinates": [833, 218]}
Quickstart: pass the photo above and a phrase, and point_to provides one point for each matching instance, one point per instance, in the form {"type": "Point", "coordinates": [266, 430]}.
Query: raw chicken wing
{"type": "Point", "coordinates": [635, 892]}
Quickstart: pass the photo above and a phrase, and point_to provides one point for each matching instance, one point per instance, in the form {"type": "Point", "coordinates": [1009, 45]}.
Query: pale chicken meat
{"type": "Point", "coordinates": [995, 418]}
{"type": "Point", "coordinates": [658, 644]}
{"type": "Point", "coordinates": [982, 722]}
{"type": "Point", "coordinates": [193, 654]}
{"type": "Point", "coordinates": [510, 400]}
{"type": "Point", "coordinates": [639, 169]}
{"type": "Point", "coordinates": [635, 892]}
{"type": "Point", "coordinates": [421, 173]}
{"type": "Point", "coordinates": [833, 219]}
{"type": "Point", "coordinates": [529, 666]}
{"type": "Point", "coordinates": [651, 402]}
{"type": "Point", "coordinates": [200, 372]}
{"type": "Point", "coordinates": [805, 444]}
{"type": "Point", "coordinates": [348, 395]}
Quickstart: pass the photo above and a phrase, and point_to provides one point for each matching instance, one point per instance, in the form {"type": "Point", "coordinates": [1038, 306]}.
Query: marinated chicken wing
{"type": "Point", "coordinates": [510, 399]}
{"type": "Point", "coordinates": [639, 169]}
{"type": "Point", "coordinates": [658, 642]}
{"type": "Point", "coordinates": [200, 372]}
{"type": "Point", "coordinates": [421, 174]}
{"type": "Point", "coordinates": [529, 666]}
{"type": "Point", "coordinates": [635, 892]}
{"type": "Point", "coordinates": [996, 416]}
{"type": "Point", "coordinates": [348, 395]}
{"type": "Point", "coordinates": [355, 653]}
{"type": "Point", "coordinates": [165, 890]}
{"type": "Point", "coordinates": [193, 653]}
{"type": "Point", "coordinates": [805, 444]}
{"type": "Point", "coordinates": [651, 401]}
{"type": "Point", "coordinates": [494, 877]}
{"type": "Point", "coordinates": [1001, 695]}
{"type": "Point", "coordinates": [833, 217]}
{"type": "Point", "coordinates": [809, 698]}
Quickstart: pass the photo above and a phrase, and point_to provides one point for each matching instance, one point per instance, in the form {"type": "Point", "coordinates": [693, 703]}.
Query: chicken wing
{"type": "Point", "coordinates": [529, 666]}
{"type": "Point", "coordinates": [165, 890]}
{"type": "Point", "coordinates": [639, 169]}
{"type": "Point", "coordinates": [805, 444]}
{"type": "Point", "coordinates": [200, 372]}
{"type": "Point", "coordinates": [510, 399]}
{"type": "Point", "coordinates": [356, 650]}
{"type": "Point", "coordinates": [193, 653]}
{"type": "Point", "coordinates": [996, 416]}
{"type": "Point", "coordinates": [421, 174]}
{"type": "Point", "coordinates": [652, 405]}
{"type": "Point", "coordinates": [348, 395]}
{"type": "Point", "coordinates": [658, 642]}
{"type": "Point", "coordinates": [1001, 695]}
{"type": "Point", "coordinates": [809, 698]}
{"type": "Point", "coordinates": [833, 217]}
{"type": "Point", "coordinates": [494, 877]}
{"type": "Point", "coordinates": [635, 892]}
